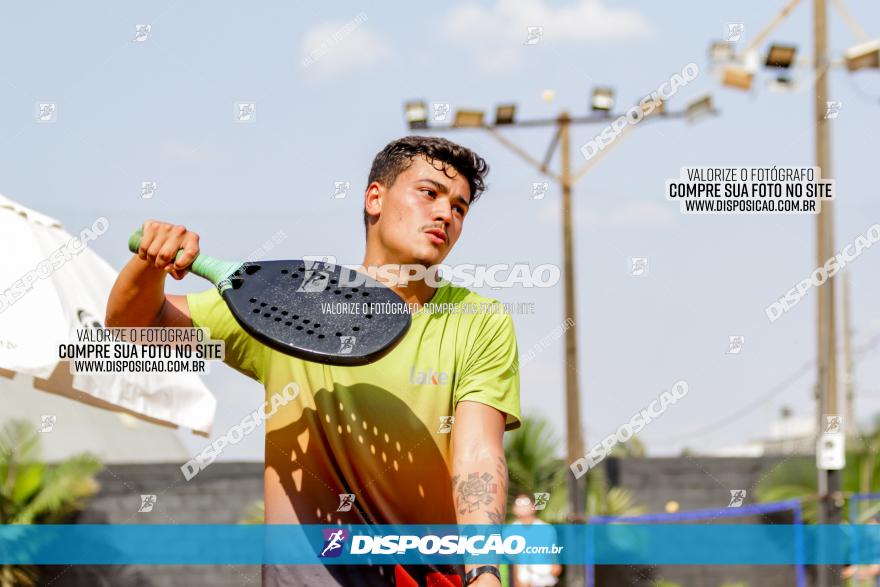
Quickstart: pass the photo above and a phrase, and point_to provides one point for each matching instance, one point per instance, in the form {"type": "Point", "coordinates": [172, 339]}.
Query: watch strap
{"type": "Point", "coordinates": [472, 575]}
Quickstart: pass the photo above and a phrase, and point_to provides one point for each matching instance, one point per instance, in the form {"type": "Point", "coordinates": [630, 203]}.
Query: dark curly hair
{"type": "Point", "coordinates": [398, 155]}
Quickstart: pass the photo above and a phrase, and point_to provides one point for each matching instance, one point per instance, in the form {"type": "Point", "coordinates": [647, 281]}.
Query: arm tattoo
{"type": "Point", "coordinates": [483, 490]}
{"type": "Point", "coordinates": [479, 489]}
{"type": "Point", "coordinates": [498, 514]}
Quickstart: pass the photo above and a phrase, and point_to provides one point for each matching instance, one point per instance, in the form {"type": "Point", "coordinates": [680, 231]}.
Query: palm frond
{"type": "Point", "coordinates": [255, 513]}
{"type": "Point", "coordinates": [66, 487]}
{"type": "Point", "coordinates": [19, 441]}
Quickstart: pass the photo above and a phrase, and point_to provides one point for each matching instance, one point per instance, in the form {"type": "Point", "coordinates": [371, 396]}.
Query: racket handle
{"type": "Point", "coordinates": [214, 270]}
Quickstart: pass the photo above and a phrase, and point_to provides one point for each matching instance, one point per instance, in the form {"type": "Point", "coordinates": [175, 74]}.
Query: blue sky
{"type": "Point", "coordinates": [162, 110]}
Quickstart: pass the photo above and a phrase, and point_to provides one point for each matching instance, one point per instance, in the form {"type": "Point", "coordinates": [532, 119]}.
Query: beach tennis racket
{"type": "Point", "coordinates": [284, 304]}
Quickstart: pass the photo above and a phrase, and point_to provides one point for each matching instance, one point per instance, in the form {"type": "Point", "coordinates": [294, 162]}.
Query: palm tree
{"type": "Point", "coordinates": [616, 501]}
{"type": "Point", "coordinates": [534, 467]}
{"type": "Point", "coordinates": [797, 478]}
{"type": "Point", "coordinates": [32, 492]}
{"type": "Point", "coordinates": [255, 513]}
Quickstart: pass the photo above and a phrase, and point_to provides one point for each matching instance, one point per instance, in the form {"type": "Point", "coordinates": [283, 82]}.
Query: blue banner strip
{"type": "Point", "coordinates": [625, 544]}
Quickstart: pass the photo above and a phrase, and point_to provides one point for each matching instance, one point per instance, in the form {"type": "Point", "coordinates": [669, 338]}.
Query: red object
{"type": "Point", "coordinates": [404, 579]}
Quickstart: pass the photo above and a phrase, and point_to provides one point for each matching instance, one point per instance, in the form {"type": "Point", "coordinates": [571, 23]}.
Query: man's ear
{"type": "Point", "coordinates": [373, 198]}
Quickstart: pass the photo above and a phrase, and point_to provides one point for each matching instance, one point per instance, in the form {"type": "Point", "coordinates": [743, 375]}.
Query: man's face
{"type": "Point", "coordinates": [421, 214]}
{"type": "Point", "coordinates": [522, 507]}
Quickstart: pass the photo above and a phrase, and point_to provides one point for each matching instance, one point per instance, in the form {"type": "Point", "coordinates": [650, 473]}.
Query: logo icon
{"type": "Point", "coordinates": [141, 32]}
{"type": "Point", "coordinates": [245, 111]}
{"type": "Point", "coordinates": [346, 500]}
{"type": "Point", "coordinates": [87, 320]}
{"type": "Point", "coordinates": [833, 425]}
{"type": "Point", "coordinates": [346, 344]}
{"type": "Point", "coordinates": [735, 31]}
{"type": "Point", "coordinates": [441, 110]}
{"type": "Point", "coordinates": [317, 277]}
{"type": "Point", "coordinates": [832, 109]}
{"type": "Point", "coordinates": [47, 112]}
{"type": "Point", "coordinates": [47, 423]}
{"type": "Point", "coordinates": [639, 266]}
{"type": "Point", "coordinates": [148, 189]}
{"type": "Point", "coordinates": [737, 496]}
{"type": "Point", "coordinates": [541, 500]}
{"type": "Point", "coordinates": [340, 189]}
{"type": "Point", "coordinates": [333, 540]}
{"type": "Point", "coordinates": [446, 423]}
{"type": "Point", "coordinates": [540, 189]}
{"type": "Point", "coordinates": [147, 503]}
{"type": "Point", "coordinates": [736, 344]}
{"type": "Point", "coordinates": [429, 377]}
{"type": "Point", "coordinates": [534, 34]}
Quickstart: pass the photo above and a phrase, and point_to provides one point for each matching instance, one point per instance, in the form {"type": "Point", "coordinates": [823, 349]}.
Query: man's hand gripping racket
{"type": "Point", "coordinates": [282, 303]}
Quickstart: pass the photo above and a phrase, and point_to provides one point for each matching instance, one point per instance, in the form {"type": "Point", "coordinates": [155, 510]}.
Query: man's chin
{"type": "Point", "coordinates": [428, 258]}
{"type": "Point", "coordinates": [430, 261]}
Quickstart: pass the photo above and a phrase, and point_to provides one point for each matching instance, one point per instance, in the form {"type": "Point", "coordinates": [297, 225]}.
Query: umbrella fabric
{"type": "Point", "coordinates": [52, 283]}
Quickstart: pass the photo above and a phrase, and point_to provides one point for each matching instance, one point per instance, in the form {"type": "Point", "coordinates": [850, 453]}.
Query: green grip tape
{"type": "Point", "coordinates": [217, 271]}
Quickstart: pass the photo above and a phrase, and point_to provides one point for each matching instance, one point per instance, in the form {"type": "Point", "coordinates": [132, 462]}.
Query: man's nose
{"type": "Point", "coordinates": [443, 213]}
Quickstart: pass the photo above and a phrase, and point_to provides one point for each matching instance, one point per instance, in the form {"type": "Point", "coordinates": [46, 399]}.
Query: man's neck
{"type": "Point", "coordinates": [415, 292]}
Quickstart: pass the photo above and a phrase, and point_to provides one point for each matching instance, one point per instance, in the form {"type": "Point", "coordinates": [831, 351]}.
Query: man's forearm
{"type": "Point", "coordinates": [137, 296]}
{"type": "Point", "coordinates": [479, 490]}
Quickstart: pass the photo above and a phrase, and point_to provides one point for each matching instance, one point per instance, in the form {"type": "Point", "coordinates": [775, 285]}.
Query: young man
{"type": "Point", "coordinates": [381, 432]}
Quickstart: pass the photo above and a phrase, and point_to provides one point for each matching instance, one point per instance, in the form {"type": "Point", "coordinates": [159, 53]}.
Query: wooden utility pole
{"type": "Point", "coordinates": [829, 480]}
{"type": "Point", "coordinates": [852, 427]}
{"type": "Point", "coordinates": [577, 491]}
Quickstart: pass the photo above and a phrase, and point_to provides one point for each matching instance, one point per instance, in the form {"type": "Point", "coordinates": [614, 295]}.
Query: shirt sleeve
{"type": "Point", "coordinates": [491, 375]}
{"type": "Point", "coordinates": [242, 352]}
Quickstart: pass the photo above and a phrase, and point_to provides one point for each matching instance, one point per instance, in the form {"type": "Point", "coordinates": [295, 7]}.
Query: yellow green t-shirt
{"type": "Point", "coordinates": [379, 432]}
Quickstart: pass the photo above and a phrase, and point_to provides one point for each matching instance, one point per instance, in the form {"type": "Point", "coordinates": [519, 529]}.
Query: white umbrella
{"type": "Point", "coordinates": [51, 283]}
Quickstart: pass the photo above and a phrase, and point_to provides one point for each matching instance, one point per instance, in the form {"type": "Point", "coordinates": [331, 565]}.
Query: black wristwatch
{"type": "Point", "coordinates": [472, 575]}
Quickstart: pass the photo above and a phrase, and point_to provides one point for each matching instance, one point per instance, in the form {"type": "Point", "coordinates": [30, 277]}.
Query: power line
{"type": "Point", "coordinates": [774, 391]}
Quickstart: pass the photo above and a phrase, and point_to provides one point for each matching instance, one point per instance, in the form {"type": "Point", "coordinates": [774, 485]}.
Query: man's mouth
{"type": "Point", "coordinates": [437, 236]}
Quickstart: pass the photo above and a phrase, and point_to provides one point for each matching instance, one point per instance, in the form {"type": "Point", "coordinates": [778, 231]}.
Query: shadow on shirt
{"type": "Point", "coordinates": [365, 441]}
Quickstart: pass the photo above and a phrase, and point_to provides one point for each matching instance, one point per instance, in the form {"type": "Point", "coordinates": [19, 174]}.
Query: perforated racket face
{"type": "Point", "coordinates": [317, 311]}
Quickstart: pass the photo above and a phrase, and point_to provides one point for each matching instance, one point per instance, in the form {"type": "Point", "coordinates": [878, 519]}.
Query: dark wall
{"type": "Point", "coordinates": [221, 493]}
{"type": "Point", "coordinates": [697, 483]}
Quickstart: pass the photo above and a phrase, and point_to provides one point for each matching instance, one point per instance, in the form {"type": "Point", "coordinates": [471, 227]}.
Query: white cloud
{"type": "Point", "coordinates": [333, 48]}
{"type": "Point", "coordinates": [501, 29]}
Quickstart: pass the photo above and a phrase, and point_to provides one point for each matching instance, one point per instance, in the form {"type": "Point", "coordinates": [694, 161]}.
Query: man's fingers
{"type": "Point", "coordinates": [177, 274]}
{"type": "Point", "coordinates": [167, 252]}
{"type": "Point", "coordinates": [145, 244]}
{"type": "Point", "coordinates": [153, 251]}
{"type": "Point", "coordinates": [190, 247]}
{"type": "Point", "coordinates": [161, 243]}
{"type": "Point", "coordinates": [184, 260]}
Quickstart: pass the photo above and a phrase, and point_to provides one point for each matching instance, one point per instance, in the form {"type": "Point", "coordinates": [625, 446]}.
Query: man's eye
{"type": "Point", "coordinates": [427, 191]}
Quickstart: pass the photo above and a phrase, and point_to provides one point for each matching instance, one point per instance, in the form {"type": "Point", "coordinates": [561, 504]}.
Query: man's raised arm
{"type": "Point", "coordinates": [479, 470]}
{"type": "Point", "coordinates": [138, 296]}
